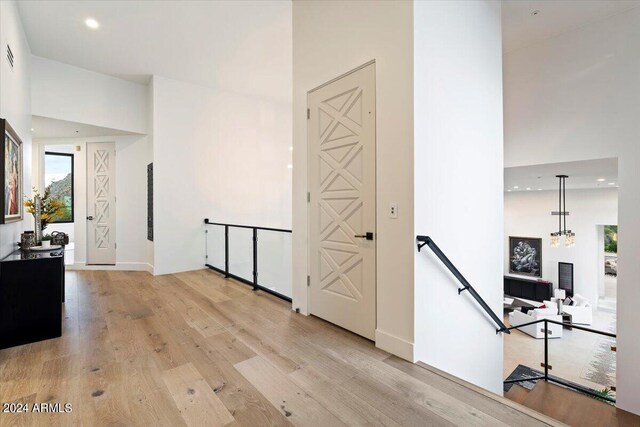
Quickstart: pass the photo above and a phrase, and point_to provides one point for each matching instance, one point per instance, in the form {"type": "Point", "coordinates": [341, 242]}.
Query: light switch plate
{"type": "Point", "coordinates": [393, 210]}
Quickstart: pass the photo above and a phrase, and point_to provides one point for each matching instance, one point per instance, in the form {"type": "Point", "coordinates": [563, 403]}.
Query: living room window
{"type": "Point", "coordinates": [58, 182]}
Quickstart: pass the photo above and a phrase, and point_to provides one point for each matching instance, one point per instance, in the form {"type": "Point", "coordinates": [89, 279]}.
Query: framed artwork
{"type": "Point", "coordinates": [525, 256]}
{"type": "Point", "coordinates": [11, 201]}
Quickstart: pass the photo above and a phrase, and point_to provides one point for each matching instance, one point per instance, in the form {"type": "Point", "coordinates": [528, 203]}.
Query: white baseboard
{"type": "Point", "coordinates": [395, 345]}
{"type": "Point", "coordinates": [120, 266]}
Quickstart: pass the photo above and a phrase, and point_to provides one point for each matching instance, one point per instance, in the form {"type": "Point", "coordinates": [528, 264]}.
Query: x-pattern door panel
{"type": "Point", "coordinates": [101, 245]}
{"type": "Point", "coordinates": [342, 185]}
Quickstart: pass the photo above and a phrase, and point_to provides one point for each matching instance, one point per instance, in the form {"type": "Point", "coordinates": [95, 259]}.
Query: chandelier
{"type": "Point", "coordinates": [569, 236]}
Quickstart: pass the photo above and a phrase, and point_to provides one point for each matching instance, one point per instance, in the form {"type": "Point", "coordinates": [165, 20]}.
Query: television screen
{"type": "Point", "coordinates": [565, 277]}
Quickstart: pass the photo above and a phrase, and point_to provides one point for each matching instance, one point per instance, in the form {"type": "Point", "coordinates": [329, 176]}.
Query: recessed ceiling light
{"type": "Point", "coordinates": [515, 187]}
{"type": "Point", "coordinates": [290, 148]}
{"type": "Point", "coordinates": [508, 191]}
{"type": "Point", "coordinates": [31, 129]}
{"type": "Point", "coordinates": [600, 179]}
{"type": "Point", "coordinates": [289, 166]}
{"type": "Point", "coordinates": [92, 23]}
{"type": "Point", "coordinates": [612, 183]}
{"type": "Point", "coordinates": [539, 189]}
{"type": "Point", "coordinates": [528, 188]}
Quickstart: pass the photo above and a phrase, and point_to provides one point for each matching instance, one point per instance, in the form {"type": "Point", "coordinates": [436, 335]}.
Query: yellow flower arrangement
{"type": "Point", "coordinates": [50, 207]}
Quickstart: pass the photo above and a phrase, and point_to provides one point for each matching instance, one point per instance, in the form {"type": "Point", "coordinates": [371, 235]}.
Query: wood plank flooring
{"type": "Point", "coordinates": [195, 349]}
{"type": "Point", "coordinates": [570, 407]}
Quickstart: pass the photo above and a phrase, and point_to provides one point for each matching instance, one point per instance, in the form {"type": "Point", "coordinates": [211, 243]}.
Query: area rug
{"type": "Point", "coordinates": [602, 367]}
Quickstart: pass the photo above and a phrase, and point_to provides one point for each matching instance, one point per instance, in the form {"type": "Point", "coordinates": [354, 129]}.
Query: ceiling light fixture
{"type": "Point", "coordinates": [569, 236]}
{"type": "Point", "coordinates": [612, 183]}
{"type": "Point", "coordinates": [515, 187]}
{"type": "Point", "coordinates": [92, 23]}
{"type": "Point", "coordinates": [601, 179]}
{"type": "Point", "coordinates": [528, 188]}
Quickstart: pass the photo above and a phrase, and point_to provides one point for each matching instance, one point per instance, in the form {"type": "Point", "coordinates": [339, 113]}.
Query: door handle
{"type": "Point", "coordinates": [90, 218]}
{"type": "Point", "coordinates": [368, 236]}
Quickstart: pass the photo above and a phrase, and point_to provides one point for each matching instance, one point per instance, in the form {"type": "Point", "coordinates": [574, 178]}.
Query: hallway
{"type": "Point", "coordinates": [197, 349]}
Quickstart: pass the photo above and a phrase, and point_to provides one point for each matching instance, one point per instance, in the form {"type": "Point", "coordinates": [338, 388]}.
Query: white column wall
{"type": "Point", "coordinates": [459, 185]}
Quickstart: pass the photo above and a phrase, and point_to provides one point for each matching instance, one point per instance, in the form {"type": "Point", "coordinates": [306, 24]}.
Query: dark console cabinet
{"type": "Point", "coordinates": [528, 289]}
{"type": "Point", "coordinates": [31, 296]}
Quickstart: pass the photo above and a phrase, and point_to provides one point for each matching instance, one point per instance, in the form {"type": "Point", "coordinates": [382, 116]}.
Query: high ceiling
{"type": "Point", "coordinates": [522, 26]}
{"type": "Point", "coordinates": [588, 174]}
{"type": "Point", "coordinates": [243, 46]}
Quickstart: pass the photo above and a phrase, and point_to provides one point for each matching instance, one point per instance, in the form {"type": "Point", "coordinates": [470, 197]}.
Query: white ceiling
{"type": "Point", "coordinates": [520, 28]}
{"type": "Point", "coordinates": [44, 127]}
{"type": "Point", "coordinates": [582, 175]}
{"type": "Point", "coordinates": [237, 45]}
{"type": "Point", "coordinates": [243, 46]}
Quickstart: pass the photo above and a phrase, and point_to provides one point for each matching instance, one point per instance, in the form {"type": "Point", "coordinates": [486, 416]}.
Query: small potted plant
{"type": "Point", "coordinates": [46, 241]}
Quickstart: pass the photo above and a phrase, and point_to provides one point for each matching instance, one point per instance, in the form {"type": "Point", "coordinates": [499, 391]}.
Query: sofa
{"type": "Point", "coordinates": [581, 311]}
{"type": "Point", "coordinates": [537, 330]}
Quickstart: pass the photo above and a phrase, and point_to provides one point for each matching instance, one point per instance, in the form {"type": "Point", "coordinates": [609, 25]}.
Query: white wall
{"type": "Point", "coordinates": [133, 153]}
{"type": "Point", "coordinates": [217, 155]}
{"type": "Point", "coordinates": [458, 185]}
{"type": "Point", "coordinates": [575, 97]}
{"type": "Point", "coordinates": [528, 214]}
{"type": "Point", "coordinates": [150, 245]}
{"type": "Point", "coordinates": [65, 92]}
{"type": "Point", "coordinates": [329, 39]}
{"type": "Point", "coordinates": [15, 107]}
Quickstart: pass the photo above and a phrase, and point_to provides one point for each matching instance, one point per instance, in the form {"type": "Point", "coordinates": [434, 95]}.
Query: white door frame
{"type": "Point", "coordinates": [308, 207]}
{"type": "Point", "coordinates": [105, 259]}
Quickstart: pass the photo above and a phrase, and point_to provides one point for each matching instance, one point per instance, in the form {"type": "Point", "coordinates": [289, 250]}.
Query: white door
{"type": "Point", "coordinates": [342, 183]}
{"type": "Point", "coordinates": [101, 203]}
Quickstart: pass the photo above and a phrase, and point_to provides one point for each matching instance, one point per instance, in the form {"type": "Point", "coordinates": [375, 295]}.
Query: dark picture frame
{"type": "Point", "coordinates": [11, 200]}
{"type": "Point", "coordinates": [71, 158]}
{"type": "Point", "coordinates": [525, 256]}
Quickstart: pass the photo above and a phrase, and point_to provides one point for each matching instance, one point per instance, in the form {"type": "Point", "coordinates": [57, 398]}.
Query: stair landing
{"type": "Point", "coordinates": [571, 407]}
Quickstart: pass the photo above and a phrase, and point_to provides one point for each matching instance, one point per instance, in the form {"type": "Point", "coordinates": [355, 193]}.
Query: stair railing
{"type": "Point", "coordinates": [551, 378]}
{"type": "Point", "coordinates": [466, 286]}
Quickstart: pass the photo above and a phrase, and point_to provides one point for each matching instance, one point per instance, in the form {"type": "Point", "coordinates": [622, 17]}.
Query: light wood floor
{"type": "Point", "coordinates": [195, 349]}
{"type": "Point", "coordinates": [571, 407]}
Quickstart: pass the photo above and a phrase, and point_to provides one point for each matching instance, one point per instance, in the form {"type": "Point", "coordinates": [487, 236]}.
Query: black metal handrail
{"type": "Point", "coordinates": [546, 365]}
{"type": "Point", "coordinates": [466, 286]}
{"type": "Point", "coordinates": [254, 283]}
{"type": "Point", "coordinates": [282, 230]}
